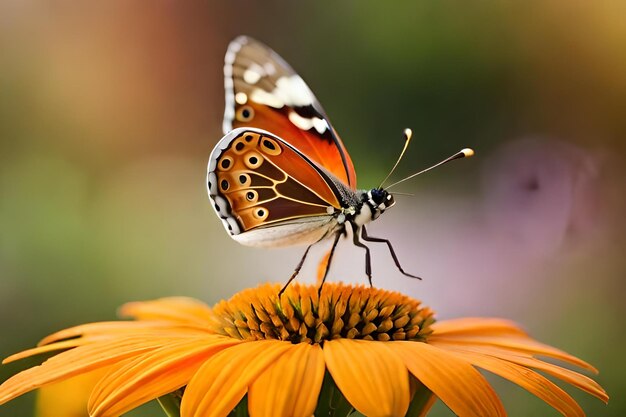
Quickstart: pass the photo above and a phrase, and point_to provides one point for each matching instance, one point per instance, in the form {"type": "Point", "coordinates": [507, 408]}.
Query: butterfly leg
{"type": "Point", "coordinates": [393, 253]}
{"type": "Point", "coordinates": [296, 271]}
{"type": "Point", "coordinates": [368, 258]}
{"type": "Point", "coordinates": [330, 258]}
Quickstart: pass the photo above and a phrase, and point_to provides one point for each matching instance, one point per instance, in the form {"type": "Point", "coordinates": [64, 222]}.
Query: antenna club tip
{"type": "Point", "coordinates": [467, 152]}
{"type": "Point", "coordinates": [408, 132]}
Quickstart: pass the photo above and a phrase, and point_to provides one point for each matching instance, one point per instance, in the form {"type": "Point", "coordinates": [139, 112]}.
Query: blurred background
{"type": "Point", "coordinates": [109, 110]}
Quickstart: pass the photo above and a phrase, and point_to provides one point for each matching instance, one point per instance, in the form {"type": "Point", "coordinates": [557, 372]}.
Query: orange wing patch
{"type": "Point", "coordinates": [263, 91]}
{"type": "Point", "coordinates": [321, 149]}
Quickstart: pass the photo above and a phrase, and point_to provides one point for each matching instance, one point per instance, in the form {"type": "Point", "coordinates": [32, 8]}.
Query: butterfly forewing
{"type": "Point", "coordinates": [263, 91]}
{"type": "Point", "coordinates": [257, 180]}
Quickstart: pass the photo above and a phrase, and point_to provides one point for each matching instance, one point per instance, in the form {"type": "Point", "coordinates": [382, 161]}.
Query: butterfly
{"type": "Point", "coordinates": [281, 175]}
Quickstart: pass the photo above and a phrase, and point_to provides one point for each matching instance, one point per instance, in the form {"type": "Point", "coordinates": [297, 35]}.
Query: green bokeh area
{"type": "Point", "coordinates": [108, 113]}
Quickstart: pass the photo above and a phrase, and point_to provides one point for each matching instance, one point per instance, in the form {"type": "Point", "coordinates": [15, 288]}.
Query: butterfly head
{"type": "Point", "coordinates": [378, 200]}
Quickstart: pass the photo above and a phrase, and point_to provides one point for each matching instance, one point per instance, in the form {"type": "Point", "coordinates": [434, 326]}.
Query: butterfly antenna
{"type": "Point", "coordinates": [463, 153]}
{"type": "Point", "coordinates": [408, 133]}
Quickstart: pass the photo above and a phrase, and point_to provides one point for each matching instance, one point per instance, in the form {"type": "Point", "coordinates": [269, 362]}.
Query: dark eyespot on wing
{"type": "Point", "coordinates": [269, 144]}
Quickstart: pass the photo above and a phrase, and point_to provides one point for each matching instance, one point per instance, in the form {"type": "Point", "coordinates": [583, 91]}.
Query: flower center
{"type": "Point", "coordinates": [342, 311]}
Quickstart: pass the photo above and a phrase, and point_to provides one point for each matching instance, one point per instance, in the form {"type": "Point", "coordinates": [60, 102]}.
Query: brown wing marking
{"type": "Point", "coordinates": [265, 181]}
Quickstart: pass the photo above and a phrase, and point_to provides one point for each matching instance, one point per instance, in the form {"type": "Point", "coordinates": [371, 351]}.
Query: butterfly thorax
{"type": "Point", "coordinates": [371, 204]}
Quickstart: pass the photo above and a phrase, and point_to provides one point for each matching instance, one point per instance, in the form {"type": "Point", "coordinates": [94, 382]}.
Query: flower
{"type": "Point", "coordinates": [377, 347]}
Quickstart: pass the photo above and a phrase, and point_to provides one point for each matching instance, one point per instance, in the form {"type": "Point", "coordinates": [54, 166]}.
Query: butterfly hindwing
{"type": "Point", "coordinates": [257, 180]}
{"type": "Point", "coordinates": [263, 91]}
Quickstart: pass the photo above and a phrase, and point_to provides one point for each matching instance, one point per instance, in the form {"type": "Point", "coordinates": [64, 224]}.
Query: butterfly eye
{"type": "Point", "coordinates": [253, 160]}
{"type": "Point", "coordinates": [245, 114]}
{"type": "Point", "coordinates": [226, 163]}
{"type": "Point", "coordinates": [260, 213]}
{"type": "Point", "coordinates": [270, 147]}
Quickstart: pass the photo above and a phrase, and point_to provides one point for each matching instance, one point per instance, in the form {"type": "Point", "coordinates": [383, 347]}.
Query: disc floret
{"type": "Point", "coordinates": [299, 315]}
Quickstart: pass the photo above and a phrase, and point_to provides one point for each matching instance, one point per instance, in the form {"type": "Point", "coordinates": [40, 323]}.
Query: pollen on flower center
{"type": "Point", "coordinates": [342, 311]}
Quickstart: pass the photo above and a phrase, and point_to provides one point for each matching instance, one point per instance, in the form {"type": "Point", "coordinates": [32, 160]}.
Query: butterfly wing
{"type": "Point", "coordinates": [263, 91]}
{"type": "Point", "coordinates": [268, 193]}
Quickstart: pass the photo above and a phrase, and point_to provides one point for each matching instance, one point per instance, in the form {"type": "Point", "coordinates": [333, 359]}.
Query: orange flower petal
{"type": "Point", "coordinates": [172, 309]}
{"type": "Point", "coordinates": [152, 375]}
{"type": "Point", "coordinates": [66, 344]}
{"type": "Point", "coordinates": [574, 378]}
{"type": "Point", "coordinates": [457, 383]}
{"type": "Point", "coordinates": [476, 326]}
{"type": "Point", "coordinates": [369, 375]}
{"type": "Point", "coordinates": [223, 380]}
{"type": "Point", "coordinates": [316, 367]}
{"type": "Point", "coordinates": [290, 387]}
{"type": "Point", "coordinates": [527, 379]}
{"type": "Point", "coordinates": [515, 344]}
{"type": "Point", "coordinates": [115, 328]}
{"type": "Point", "coordinates": [94, 332]}
{"type": "Point", "coordinates": [74, 362]}
{"type": "Point", "coordinates": [68, 397]}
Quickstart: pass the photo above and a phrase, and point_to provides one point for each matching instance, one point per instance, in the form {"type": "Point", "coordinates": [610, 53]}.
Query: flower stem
{"type": "Point", "coordinates": [422, 401]}
{"type": "Point", "coordinates": [331, 401]}
{"type": "Point", "coordinates": [170, 404]}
